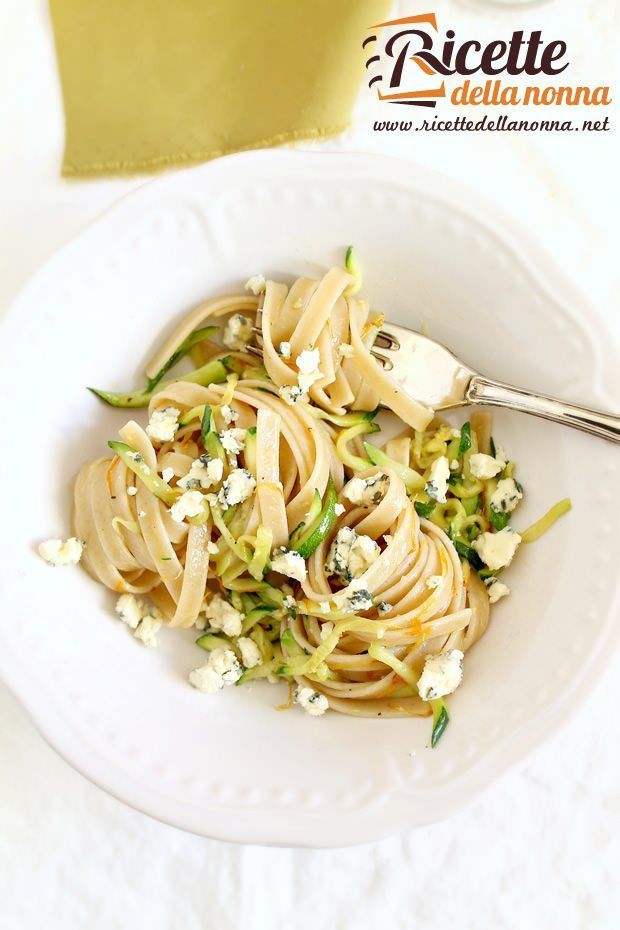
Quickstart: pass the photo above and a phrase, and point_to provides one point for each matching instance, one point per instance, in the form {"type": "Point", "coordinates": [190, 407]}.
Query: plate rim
{"type": "Point", "coordinates": [530, 735]}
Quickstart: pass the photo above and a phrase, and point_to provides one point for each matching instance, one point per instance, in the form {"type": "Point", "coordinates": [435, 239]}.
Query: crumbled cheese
{"type": "Point", "coordinates": [387, 538]}
{"type": "Point", "coordinates": [238, 332]}
{"type": "Point", "coordinates": [284, 349]}
{"type": "Point", "coordinates": [501, 455]}
{"type": "Point", "coordinates": [384, 607]}
{"type": "Point", "coordinates": [366, 491]}
{"type": "Point", "coordinates": [506, 496]}
{"type": "Point", "coordinates": [228, 414]}
{"type": "Point", "coordinates": [442, 674]}
{"type": "Point", "coordinates": [142, 513]}
{"type": "Point", "coordinates": [324, 606]}
{"type": "Point", "coordinates": [204, 473]}
{"type": "Point", "coordinates": [223, 616]}
{"type": "Point", "coordinates": [233, 440]}
{"type": "Point", "coordinates": [62, 552]}
{"type": "Point", "coordinates": [290, 604]}
{"type": "Point", "coordinates": [132, 490]}
{"type": "Point", "coordinates": [350, 555]}
{"type": "Point", "coordinates": [292, 394]}
{"type": "Point", "coordinates": [163, 424]}
{"type": "Point", "coordinates": [289, 563]}
{"type": "Point", "coordinates": [496, 589]}
{"type": "Point", "coordinates": [201, 622]}
{"type": "Point", "coordinates": [130, 610]}
{"type": "Point", "coordinates": [167, 474]}
{"type": "Point", "coordinates": [147, 630]}
{"type": "Point", "coordinates": [437, 484]}
{"type": "Point", "coordinates": [239, 485]}
{"type": "Point", "coordinates": [455, 465]}
{"type": "Point", "coordinates": [433, 581]}
{"type": "Point", "coordinates": [256, 283]}
{"type": "Point", "coordinates": [497, 549]}
{"type": "Point", "coordinates": [190, 504]}
{"type": "Point", "coordinates": [326, 629]}
{"type": "Point", "coordinates": [339, 509]}
{"type": "Point", "coordinates": [308, 366]}
{"type": "Point", "coordinates": [221, 668]}
{"type": "Point", "coordinates": [250, 653]}
{"type": "Point", "coordinates": [344, 350]}
{"type": "Point", "coordinates": [313, 702]}
{"type": "Point", "coordinates": [485, 466]}
{"type": "Point", "coordinates": [357, 597]}
{"type": "Point", "coordinates": [213, 548]}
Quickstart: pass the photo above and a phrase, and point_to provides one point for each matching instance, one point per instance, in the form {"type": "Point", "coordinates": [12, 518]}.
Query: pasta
{"type": "Point", "coordinates": [254, 508]}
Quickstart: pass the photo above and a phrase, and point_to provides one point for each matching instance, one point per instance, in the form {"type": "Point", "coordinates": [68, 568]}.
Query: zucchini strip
{"type": "Point", "coordinates": [411, 479]}
{"type": "Point", "coordinates": [186, 346]}
{"type": "Point", "coordinates": [317, 531]}
{"type": "Point", "coordinates": [213, 372]}
{"type": "Point", "coordinates": [536, 530]}
{"type": "Point", "coordinates": [135, 462]}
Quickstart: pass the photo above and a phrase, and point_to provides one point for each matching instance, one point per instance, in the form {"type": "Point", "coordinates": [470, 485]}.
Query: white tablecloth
{"type": "Point", "coordinates": [541, 847]}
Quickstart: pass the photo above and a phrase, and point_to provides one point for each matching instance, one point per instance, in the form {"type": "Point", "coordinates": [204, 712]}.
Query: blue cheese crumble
{"type": "Point", "coordinates": [147, 630]}
{"type": "Point", "coordinates": [233, 440]}
{"type": "Point", "coordinates": [190, 504]}
{"type": "Point", "coordinates": [223, 616]}
{"type": "Point", "coordinates": [497, 549]}
{"type": "Point", "coordinates": [204, 473]}
{"type": "Point", "coordinates": [237, 332]}
{"type": "Point", "coordinates": [62, 552]}
{"type": "Point", "coordinates": [442, 674]}
{"type": "Point", "coordinates": [437, 485]}
{"type": "Point", "coordinates": [144, 619]}
{"type": "Point", "coordinates": [163, 424]}
{"type": "Point", "coordinates": [354, 598]}
{"type": "Point", "coordinates": [289, 563]}
{"type": "Point", "coordinates": [485, 466]}
{"type": "Point", "coordinates": [292, 394]}
{"type": "Point", "coordinates": [228, 414]}
{"type": "Point", "coordinates": [496, 589]}
{"type": "Point", "coordinates": [506, 496]}
{"type": "Point", "coordinates": [351, 554]}
{"type": "Point", "coordinates": [239, 485]}
{"type": "Point", "coordinates": [366, 491]}
{"type": "Point", "coordinates": [284, 350]}
{"type": "Point", "coordinates": [221, 668]}
{"type": "Point", "coordinates": [308, 366]}
{"type": "Point", "coordinates": [313, 702]}
{"type": "Point", "coordinates": [250, 653]}
{"type": "Point", "coordinates": [256, 284]}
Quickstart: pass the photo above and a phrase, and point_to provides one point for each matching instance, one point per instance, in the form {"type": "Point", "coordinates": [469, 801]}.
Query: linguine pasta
{"type": "Point", "coordinates": [254, 507]}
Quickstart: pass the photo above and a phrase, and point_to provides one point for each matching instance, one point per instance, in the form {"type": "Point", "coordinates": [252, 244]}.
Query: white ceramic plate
{"type": "Point", "coordinates": [229, 765]}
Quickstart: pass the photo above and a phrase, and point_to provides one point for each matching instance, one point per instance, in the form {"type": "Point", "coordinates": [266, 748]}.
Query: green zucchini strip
{"type": "Point", "coordinates": [214, 372]}
{"type": "Point", "coordinates": [441, 718]}
{"type": "Point", "coordinates": [413, 481]}
{"type": "Point", "coordinates": [186, 346]}
{"type": "Point", "coordinates": [352, 265]}
{"type": "Point", "coordinates": [135, 461]}
{"type": "Point", "coordinates": [536, 530]}
{"type": "Point", "coordinates": [318, 530]}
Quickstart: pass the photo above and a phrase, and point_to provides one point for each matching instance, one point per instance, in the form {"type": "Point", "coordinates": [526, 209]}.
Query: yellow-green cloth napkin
{"type": "Point", "coordinates": [149, 84]}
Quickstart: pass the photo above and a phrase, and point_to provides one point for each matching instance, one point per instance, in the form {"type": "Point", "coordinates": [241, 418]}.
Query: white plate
{"type": "Point", "coordinates": [229, 765]}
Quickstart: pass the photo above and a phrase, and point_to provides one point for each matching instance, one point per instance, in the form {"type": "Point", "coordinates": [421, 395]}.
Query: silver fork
{"type": "Point", "coordinates": [433, 375]}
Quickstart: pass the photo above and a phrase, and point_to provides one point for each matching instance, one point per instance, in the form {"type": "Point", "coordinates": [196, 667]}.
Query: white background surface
{"type": "Point", "coordinates": [541, 847]}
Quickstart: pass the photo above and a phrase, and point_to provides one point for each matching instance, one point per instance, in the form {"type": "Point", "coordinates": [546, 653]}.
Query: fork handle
{"type": "Point", "coordinates": [482, 390]}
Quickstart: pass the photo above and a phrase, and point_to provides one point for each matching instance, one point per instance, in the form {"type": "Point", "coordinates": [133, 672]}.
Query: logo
{"type": "Point", "coordinates": [410, 63]}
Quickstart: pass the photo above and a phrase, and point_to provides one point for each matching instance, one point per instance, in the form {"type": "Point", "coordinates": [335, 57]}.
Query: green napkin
{"type": "Point", "coordinates": [149, 84]}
